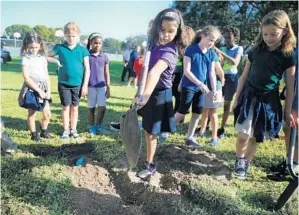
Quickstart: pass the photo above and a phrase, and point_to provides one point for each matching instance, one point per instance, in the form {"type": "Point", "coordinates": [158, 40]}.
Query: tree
{"type": "Point", "coordinates": [111, 45]}
{"type": "Point", "coordinates": [22, 29]}
{"type": "Point", "coordinates": [246, 15]}
{"type": "Point", "coordinates": [136, 40]}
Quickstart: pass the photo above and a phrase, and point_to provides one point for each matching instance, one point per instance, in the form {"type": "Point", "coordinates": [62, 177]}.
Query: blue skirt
{"type": "Point", "coordinates": [157, 114]}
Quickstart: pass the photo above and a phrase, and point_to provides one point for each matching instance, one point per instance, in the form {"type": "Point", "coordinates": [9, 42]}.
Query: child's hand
{"type": "Point", "coordinates": [143, 101]}
{"type": "Point", "coordinates": [48, 96]}
{"type": "Point", "coordinates": [204, 89]}
{"type": "Point", "coordinates": [58, 63]}
{"type": "Point", "coordinates": [42, 94]}
{"type": "Point", "coordinates": [222, 82]}
{"type": "Point", "coordinates": [108, 92]}
{"type": "Point", "coordinates": [289, 120]}
{"type": "Point", "coordinates": [84, 91]}
{"type": "Point", "coordinates": [234, 105]}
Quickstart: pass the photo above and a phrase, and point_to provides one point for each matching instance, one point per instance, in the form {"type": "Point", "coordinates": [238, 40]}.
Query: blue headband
{"type": "Point", "coordinates": [172, 15]}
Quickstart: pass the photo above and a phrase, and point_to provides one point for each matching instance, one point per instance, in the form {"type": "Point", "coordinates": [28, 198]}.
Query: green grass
{"type": "Point", "coordinates": [37, 184]}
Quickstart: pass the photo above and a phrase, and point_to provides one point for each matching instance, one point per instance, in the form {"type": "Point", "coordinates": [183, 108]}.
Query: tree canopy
{"type": "Point", "coordinates": [245, 15]}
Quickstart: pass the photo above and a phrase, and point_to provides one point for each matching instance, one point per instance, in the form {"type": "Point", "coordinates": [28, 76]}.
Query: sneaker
{"type": "Point", "coordinates": [74, 134]}
{"type": "Point", "coordinates": [220, 133]}
{"type": "Point", "coordinates": [163, 137]}
{"type": "Point", "coordinates": [35, 136]}
{"type": "Point", "coordinates": [45, 134]}
{"type": "Point", "coordinates": [92, 130]}
{"type": "Point", "coordinates": [65, 134]}
{"type": "Point", "coordinates": [191, 142]}
{"type": "Point", "coordinates": [115, 126]}
{"type": "Point", "coordinates": [240, 168]}
{"type": "Point", "coordinates": [102, 130]}
{"type": "Point", "coordinates": [213, 142]}
{"type": "Point", "coordinates": [247, 165]}
{"type": "Point", "coordinates": [149, 170]}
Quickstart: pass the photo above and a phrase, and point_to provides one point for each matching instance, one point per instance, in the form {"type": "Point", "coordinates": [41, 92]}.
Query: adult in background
{"type": "Point", "coordinates": [132, 74]}
{"type": "Point", "coordinates": [126, 58]}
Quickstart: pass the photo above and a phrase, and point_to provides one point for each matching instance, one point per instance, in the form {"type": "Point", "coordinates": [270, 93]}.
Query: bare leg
{"type": "Point", "coordinates": [214, 122]}
{"type": "Point", "coordinates": [251, 149]}
{"type": "Point", "coordinates": [74, 117]}
{"type": "Point", "coordinates": [178, 117]}
{"type": "Point", "coordinates": [101, 113]}
{"type": "Point", "coordinates": [135, 82]}
{"type": "Point", "coordinates": [91, 116]}
{"type": "Point", "coordinates": [46, 114]}
{"type": "Point", "coordinates": [226, 109]}
{"type": "Point", "coordinates": [31, 120]}
{"type": "Point", "coordinates": [66, 117]}
{"type": "Point", "coordinates": [129, 82]}
{"type": "Point", "coordinates": [151, 144]}
{"type": "Point", "coordinates": [204, 120]}
{"type": "Point", "coordinates": [193, 124]}
{"type": "Point", "coordinates": [241, 144]}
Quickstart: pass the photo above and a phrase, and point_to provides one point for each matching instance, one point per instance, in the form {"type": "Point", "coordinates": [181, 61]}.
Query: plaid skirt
{"type": "Point", "coordinates": [158, 114]}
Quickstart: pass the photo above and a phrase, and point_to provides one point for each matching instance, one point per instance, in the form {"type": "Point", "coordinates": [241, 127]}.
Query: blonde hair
{"type": "Point", "coordinates": [207, 30]}
{"type": "Point", "coordinates": [280, 19]}
{"type": "Point", "coordinates": [188, 34]}
{"type": "Point", "coordinates": [71, 27]}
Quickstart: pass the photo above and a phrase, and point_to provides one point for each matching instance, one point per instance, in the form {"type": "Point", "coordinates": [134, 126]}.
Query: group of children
{"type": "Point", "coordinates": [257, 108]}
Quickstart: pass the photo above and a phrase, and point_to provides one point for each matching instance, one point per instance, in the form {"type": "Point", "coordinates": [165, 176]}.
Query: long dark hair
{"type": "Point", "coordinates": [157, 24]}
{"type": "Point", "coordinates": [32, 37]}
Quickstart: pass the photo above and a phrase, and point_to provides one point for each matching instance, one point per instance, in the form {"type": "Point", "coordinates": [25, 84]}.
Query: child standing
{"type": "Point", "coordinates": [73, 77]}
{"type": "Point", "coordinates": [199, 63]}
{"type": "Point", "coordinates": [99, 82]}
{"type": "Point", "coordinates": [231, 55]}
{"type": "Point", "coordinates": [132, 74]}
{"type": "Point", "coordinates": [137, 67]}
{"type": "Point", "coordinates": [165, 39]}
{"type": "Point", "coordinates": [257, 104]}
{"type": "Point", "coordinates": [36, 78]}
{"type": "Point", "coordinates": [211, 103]}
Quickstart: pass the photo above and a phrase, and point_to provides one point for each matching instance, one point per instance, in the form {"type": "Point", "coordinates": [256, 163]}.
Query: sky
{"type": "Point", "coordinates": [116, 19]}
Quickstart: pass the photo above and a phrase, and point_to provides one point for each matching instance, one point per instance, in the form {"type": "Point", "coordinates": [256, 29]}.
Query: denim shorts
{"type": "Point", "coordinates": [157, 114]}
{"type": "Point", "coordinates": [230, 87]}
{"type": "Point", "coordinates": [188, 97]}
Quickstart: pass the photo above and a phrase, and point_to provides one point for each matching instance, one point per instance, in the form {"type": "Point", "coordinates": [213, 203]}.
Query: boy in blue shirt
{"type": "Point", "coordinates": [73, 71]}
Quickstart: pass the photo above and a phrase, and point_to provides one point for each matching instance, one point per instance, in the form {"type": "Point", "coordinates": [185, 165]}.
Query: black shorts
{"type": "Point", "coordinates": [69, 95]}
{"type": "Point", "coordinates": [188, 97]}
{"type": "Point", "coordinates": [132, 73]}
{"type": "Point", "coordinates": [157, 114]}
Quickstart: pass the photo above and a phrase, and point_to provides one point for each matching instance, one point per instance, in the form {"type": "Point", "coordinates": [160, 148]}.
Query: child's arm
{"type": "Point", "coordinates": [31, 83]}
{"type": "Point", "coordinates": [212, 75]}
{"type": "Point", "coordinates": [51, 59]}
{"type": "Point", "coordinates": [48, 80]}
{"type": "Point", "coordinates": [234, 60]}
{"type": "Point", "coordinates": [107, 79]}
{"type": "Point", "coordinates": [152, 80]}
{"type": "Point", "coordinates": [220, 72]}
{"type": "Point", "coordinates": [242, 81]}
{"type": "Point", "coordinates": [191, 76]}
{"type": "Point", "coordinates": [86, 76]}
{"type": "Point", "coordinates": [290, 72]}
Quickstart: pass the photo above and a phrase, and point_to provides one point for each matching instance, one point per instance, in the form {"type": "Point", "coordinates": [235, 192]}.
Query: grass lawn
{"type": "Point", "coordinates": [41, 179]}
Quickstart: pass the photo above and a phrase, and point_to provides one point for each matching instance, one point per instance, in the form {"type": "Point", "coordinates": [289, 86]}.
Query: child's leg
{"type": "Point", "coordinates": [31, 120]}
{"type": "Point", "coordinates": [251, 149]}
{"type": "Point", "coordinates": [66, 117]}
{"type": "Point", "coordinates": [178, 117]}
{"type": "Point", "coordinates": [214, 122]}
{"type": "Point", "coordinates": [74, 117]}
{"type": "Point", "coordinates": [151, 145]}
{"type": "Point", "coordinates": [226, 110]}
{"type": "Point", "coordinates": [241, 144]}
{"type": "Point", "coordinates": [91, 116]}
{"type": "Point", "coordinates": [46, 114]}
{"type": "Point", "coordinates": [135, 82]}
{"type": "Point", "coordinates": [287, 133]}
{"type": "Point", "coordinates": [204, 120]}
{"type": "Point", "coordinates": [192, 125]}
{"type": "Point", "coordinates": [129, 82]}
{"type": "Point", "coordinates": [101, 113]}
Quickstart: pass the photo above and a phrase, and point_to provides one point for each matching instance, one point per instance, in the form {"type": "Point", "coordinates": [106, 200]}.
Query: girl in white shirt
{"type": "Point", "coordinates": [36, 78]}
